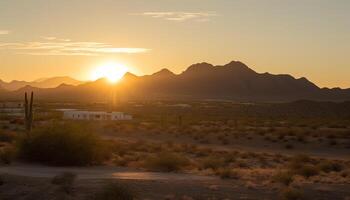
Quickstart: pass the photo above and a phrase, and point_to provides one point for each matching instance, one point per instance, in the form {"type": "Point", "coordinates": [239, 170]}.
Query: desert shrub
{"type": "Point", "coordinates": [227, 173]}
{"type": "Point", "coordinates": [114, 191]}
{"type": "Point", "coordinates": [65, 180]}
{"type": "Point", "coordinates": [166, 161]}
{"type": "Point", "coordinates": [286, 177]}
{"type": "Point", "coordinates": [242, 164]}
{"type": "Point", "coordinates": [329, 166]}
{"type": "Point", "coordinates": [213, 163]}
{"type": "Point", "coordinates": [307, 170]}
{"type": "Point", "coordinates": [7, 136]}
{"type": "Point", "coordinates": [64, 144]}
{"type": "Point", "coordinates": [302, 165]}
{"type": "Point", "coordinates": [299, 160]}
{"type": "Point", "coordinates": [7, 154]}
{"type": "Point", "coordinates": [291, 194]}
{"type": "Point", "coordinates": [230, 157]}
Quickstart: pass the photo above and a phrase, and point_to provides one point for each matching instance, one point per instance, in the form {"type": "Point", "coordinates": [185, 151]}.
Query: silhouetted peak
{"type": "Point", "coordinates": [199, 67]}
{"type": "Point", "coordinates": [307, 82]}
{"type": "Point", "coordinates": [237, 63]}
{"type": "Point", "coordinates": [303, 79]}
{"type": "Point", "coordinates": [164, 72]}
{"type": "Point", "coordinates": [129, 75]}
{"type": "Point", "coordinates": [239, 66]}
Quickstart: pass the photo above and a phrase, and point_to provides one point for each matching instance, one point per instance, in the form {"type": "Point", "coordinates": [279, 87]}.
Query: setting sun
{"type": "Point", "coordinates": [112, 71]}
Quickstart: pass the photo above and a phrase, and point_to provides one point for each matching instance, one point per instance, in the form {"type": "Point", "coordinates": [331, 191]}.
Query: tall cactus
{"type": "Point", "coordinates": [28, 109]}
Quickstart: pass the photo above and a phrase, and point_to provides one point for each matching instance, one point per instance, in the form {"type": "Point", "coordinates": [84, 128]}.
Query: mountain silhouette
{"type": "Point", "coordinates": [233, 81]}
{"type": "Point", "coordinates": [40, 83]}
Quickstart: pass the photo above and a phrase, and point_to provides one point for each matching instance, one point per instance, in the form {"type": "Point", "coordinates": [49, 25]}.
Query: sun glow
{"type": "Point", "coordinates": [112, 71]}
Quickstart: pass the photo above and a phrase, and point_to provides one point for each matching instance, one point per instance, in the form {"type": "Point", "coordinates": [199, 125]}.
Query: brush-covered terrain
{"type": "Point", "coordinates": [180, 150]}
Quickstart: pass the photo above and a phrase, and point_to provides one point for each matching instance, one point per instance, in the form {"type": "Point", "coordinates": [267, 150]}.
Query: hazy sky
{"type": "Point", "coordinates": [42, 38]}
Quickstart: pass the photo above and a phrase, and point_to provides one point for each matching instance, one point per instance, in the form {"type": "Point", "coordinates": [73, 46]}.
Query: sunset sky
{"type": "Point", "coordinates": [44, 38]}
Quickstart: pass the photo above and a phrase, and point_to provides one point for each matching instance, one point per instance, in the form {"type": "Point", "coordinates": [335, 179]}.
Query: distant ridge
{"type": "Point", "coordinates": [39, 83]}
{"type": "Point", "coordinates": [233, 81]}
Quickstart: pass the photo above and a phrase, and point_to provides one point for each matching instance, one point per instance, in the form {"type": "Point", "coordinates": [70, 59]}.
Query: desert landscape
{"type": "Point", "coordinates": [174, 100]}
{"type": "Point", "coordinates": [233, 151]}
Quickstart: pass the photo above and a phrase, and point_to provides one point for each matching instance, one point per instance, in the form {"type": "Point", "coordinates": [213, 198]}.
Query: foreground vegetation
{"type": "Point", "coordinates": [61, 144]}
{"type": "Point", "coordinates": [276, 151]}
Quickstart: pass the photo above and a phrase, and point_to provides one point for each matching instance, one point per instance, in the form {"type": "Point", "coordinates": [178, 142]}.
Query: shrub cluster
{"type": "Point", "coordinates": [63, 144]}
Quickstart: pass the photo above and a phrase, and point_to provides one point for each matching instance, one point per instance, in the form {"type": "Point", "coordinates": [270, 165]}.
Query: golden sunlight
{"type": "Point", "coordinates": [113, 71]}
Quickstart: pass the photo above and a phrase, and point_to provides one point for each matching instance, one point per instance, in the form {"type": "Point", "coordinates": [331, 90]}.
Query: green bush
{"type": "Point", "coordinates": [64, 144]}
{"type": "Point", "coordinates": [114, 191]}
{"type": "Point", "coordinates": [166, 161]}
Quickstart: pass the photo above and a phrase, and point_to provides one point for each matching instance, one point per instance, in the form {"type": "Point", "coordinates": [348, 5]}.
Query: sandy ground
{"type": "Point", "coordinates": [96, 172]}
{"type": "Point", "coordinates": [167, 188]}
{"type": "Point", "coordinates": [255, 145]}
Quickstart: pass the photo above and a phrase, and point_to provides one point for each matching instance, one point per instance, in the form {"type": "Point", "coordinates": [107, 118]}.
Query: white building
{"type": "Point", "coordinates": [95, 115]}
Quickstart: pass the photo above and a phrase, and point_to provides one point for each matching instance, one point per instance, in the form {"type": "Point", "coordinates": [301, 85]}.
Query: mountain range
{"type": "Point", "coordinates": [202, 81]}
{"type": "Point", "coordinates": [40, 83]}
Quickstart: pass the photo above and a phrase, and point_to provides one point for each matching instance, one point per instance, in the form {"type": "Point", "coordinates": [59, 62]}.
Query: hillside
{"type": "Point", "coordinates": [233, 81]}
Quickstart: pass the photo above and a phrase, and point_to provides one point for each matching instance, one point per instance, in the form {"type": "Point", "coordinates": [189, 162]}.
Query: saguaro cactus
{"type": "Point", "coordinates": [28, 109]}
